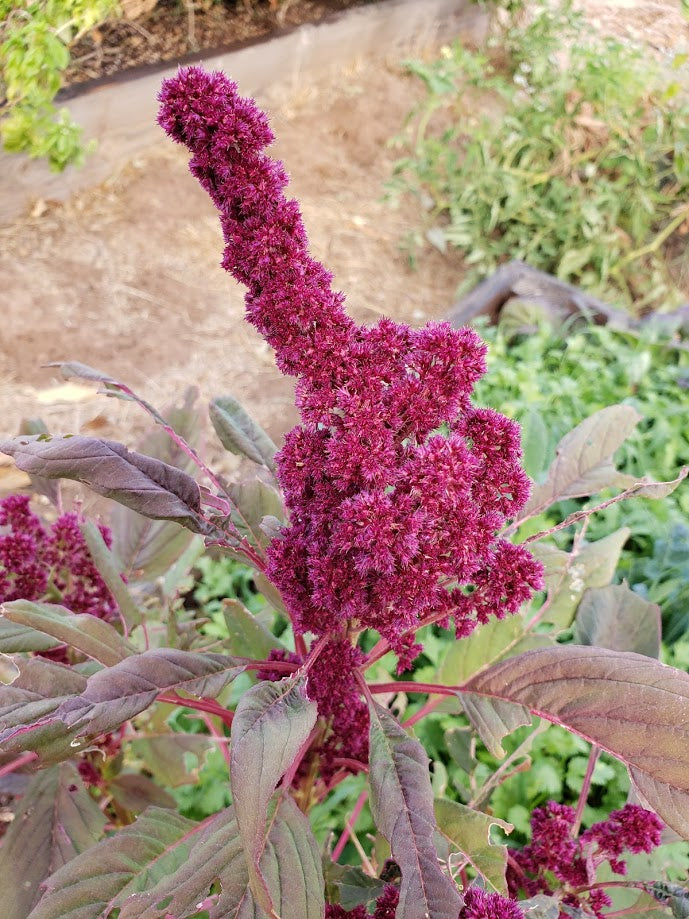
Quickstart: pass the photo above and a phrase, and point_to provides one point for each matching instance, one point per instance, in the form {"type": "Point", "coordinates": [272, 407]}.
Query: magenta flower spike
{"type": "Point", "coordinates": [395, 485]}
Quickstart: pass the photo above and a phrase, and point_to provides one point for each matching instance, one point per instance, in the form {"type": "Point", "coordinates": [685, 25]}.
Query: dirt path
{"type": "Point", "coordinates": [126, 277]}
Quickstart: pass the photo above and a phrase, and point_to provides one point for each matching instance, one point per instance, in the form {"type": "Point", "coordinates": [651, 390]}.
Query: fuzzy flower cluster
{"type": "Point", "coordinates": [478, 904]}
{"type": "Point", "coordinates": [39, 563]}
{"type": "Point", "coordinates": [396, 486]}
{"type": "Point", "coordinates": [555, 852]}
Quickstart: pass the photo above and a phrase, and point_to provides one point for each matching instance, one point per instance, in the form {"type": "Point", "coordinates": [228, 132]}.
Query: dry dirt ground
{"type": "Point", "coordinates": [126, 277]}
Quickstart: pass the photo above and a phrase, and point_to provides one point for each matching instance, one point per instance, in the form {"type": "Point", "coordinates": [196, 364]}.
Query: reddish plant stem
{"type": "Point", "coordinates": [279, 666]}
{"type": "Point", "coordinates": [349, 825]}
{"type": "Point", "coordinates": [199, 705]}
{"type": "Point", "coordinates": [219, 736]}
{"type": "Point", "coordinates": [348, 763]}
{"type": "Point", "coordinates": [584, 793]}
{"type": "Point", "coordinates": [427, 708]}
{"type": "Point", "coordinates": [300, 645]}
{"type": "Point", "coordinates": [17, 763]}
{"type": "Point", "coordinates": [600, 885]}
{"type": "Point", "coordinates": [382, 647]}
{"type": "Point", "coordinates": [411, 686]}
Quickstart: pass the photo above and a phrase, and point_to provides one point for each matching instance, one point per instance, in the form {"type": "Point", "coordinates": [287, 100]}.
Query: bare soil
{"type": "Point", "coordinates": [127, 278]}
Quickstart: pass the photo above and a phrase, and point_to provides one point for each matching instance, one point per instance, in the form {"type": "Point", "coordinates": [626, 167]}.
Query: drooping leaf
{"type": "Point", "coordinates": [402, 808]}
{"type": "Point", "coordinates": [115, 695]}
{"type": "Point", "coordinates": [567, 575]}
{"type": "Point", "coordinates": [56, 820]}
{"type": "Point", "coordinates": [164, 757]}
{"type": "Point", "coordinates": [111, 572]}
{"type": "Point", "coordinates": [39, 484]}
{"type": "Point", "coordinates": [248, 637]}
{"type": "Point", "coordinates": [239, 433]}
{"type": "Point", "coordinates": [468, 831]}
{"type": "Point", "coordinates": [8, 670]}
{"type": "Point", "coordinates": [148, 548]}
{"type": "Point", "coordinates": [146, 485]}
{"type": "Point", "coordinates": [254, 501]}
{"type": "Point", "coordinates": [91, 636]}
{"type": "Point", "coordinates": [617, 618]}
{"type": "Point", "coordinates": [583, 463]}
{"type": "Point", "coordinates": [349, 885]}
{"type": "Point", "coordinates": [630, 705]}
{"type": "Point", "coordinates": [271, 723]}
{"type": "Point", "coordinates": [494, 719]}
{"type": "Point", "coordinates": [541, 907]}
{"type": "Point", "coordinates": [674, 896]}
{"type": "Point", "coordinates": [136, 792]}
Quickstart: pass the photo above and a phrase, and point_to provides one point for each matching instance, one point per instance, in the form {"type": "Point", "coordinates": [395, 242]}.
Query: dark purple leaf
{"type": "Point", "coordinates": [146, 485]}
{"type": "Point", "coordinates": [402, 807]}
{"type": "Point", "coordinates": [617, 618]}
{"type": "Point", "coordinates": [116, 694]}
{"type": "Point", "coordinates": [630, 705]}
{"type": "Point", "coordinates": [270, 725]}
{"type": "Point", "coordinates": [56, 820]}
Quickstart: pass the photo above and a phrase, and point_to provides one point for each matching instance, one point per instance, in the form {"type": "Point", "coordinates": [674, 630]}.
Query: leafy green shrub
{"type": "Point", "coordinates": [553, 377]}
{"type": "Point", "coordinates": [580, 169]}
{"type": "Point", "coordinates": [35, 37]}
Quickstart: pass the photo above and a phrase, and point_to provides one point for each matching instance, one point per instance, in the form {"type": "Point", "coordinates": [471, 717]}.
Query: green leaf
{"type": "Point", "coordinates": [617, 618]}
{"type": "Point", "coordinates": [402, 808]}
{"type": "Point", "coordinates": [56, 820]}
{"type": "Point", "coordinates": [111, 573]}
{"type": "Point", "coordinates": [583, 462]}
{"type": "Point", "coordinates": [239, 433]}
{"type": "Point", "coordinates": [146, 485]}
{"type": "Point", "coordinates": [17, 638]}
{"type": "Point", "coordinates": [115, 695]}
{"type": "Point", "coordinates": [468, 831]}
{"type": "Point", "coordinates": [534, 443]}
{"type": "Point", "coordinates": [247, 636]}
{"type": "Point", "coordinates": [349, 885]}
{"type": "Point", "coordinates": [253, 502]}
{"type": "Point", "coordinates": [271, 723]}
{"type": "Point", "coordinates": [567, 575]}
{"type": "Point", "coordinates": [494, 719]}
{"type": "Point", "coordinates": [630, 705]}
{"type": "Point", "coordinates": [91, 636]}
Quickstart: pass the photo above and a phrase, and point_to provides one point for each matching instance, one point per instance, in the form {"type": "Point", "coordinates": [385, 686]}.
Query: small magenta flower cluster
{"type": "Point", "coordinates": [40, 563]}
{"type": "Point", "coordinates": [478, 904]}
{"type": "Point", "coordinates": [396, 486]}
{"type": "Point", "coordinates": [555, 854]}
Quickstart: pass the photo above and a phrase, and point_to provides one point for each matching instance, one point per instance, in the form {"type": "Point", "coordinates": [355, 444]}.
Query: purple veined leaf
{"type": "Point", "coordinates": [271, 723]}
{"type": "Point", "coordinates": [468, 832]}
{"type": "Point", "coordinates": [617, 618]}
{"type": "Point", "coordinates": [239, 433]}
{"type": "Point", "coordinates": [116, 694]}
{"type": "Point", "coordinates": [91, 636]}
{"type": "Point", "coordinates": [27, 707]}
{"type": "Point", "coordinates": [42, 486]}
{"type": "Point", "coordinates": [111, 572]}
{"type": "Point", "coordinates": [630, 705]}
{"type": "Point", "coordinates": [164, 864]}
{"type": "Point", "coordinates": [57, 820]}
{"type": "Point", "coordinates": [402, 808]}
{"type": "Point", "coordinates": [583, 463]}
{"type": "Point", "coordinates": [146, 485]}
